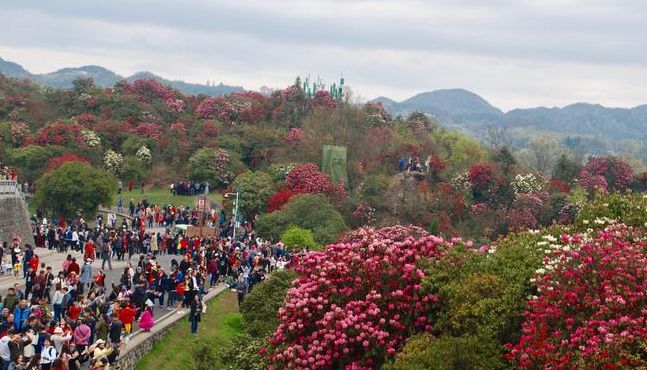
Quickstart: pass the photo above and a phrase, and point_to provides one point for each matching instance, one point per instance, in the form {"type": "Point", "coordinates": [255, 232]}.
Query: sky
{"type": "Point", "coordinates": [515, 54]}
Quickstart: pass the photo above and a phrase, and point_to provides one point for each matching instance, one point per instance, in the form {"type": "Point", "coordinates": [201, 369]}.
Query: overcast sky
{"type": "Point", "coordinates": [514, 53]}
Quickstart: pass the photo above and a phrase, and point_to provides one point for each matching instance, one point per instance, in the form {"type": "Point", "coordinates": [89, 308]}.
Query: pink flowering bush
{"type": "Point", "coordinates": [148, 130]}
{"type": "Point", "coordinates": [376, 114]}
{"type": "Point", "coordinates": [364, 214]}
{"type": "Point", "coordinates": [590, 310]}
{"type": "Point", "coordinates": [307, 178]}
{"type": "Point", "coordinates": [294, 136]}
{"type": "Point", "coordinates": [60, 133]}
{"type": "Point", "coordinates": [354, 304]}
{"type": "Point", "coordinates": [322, 99]}
{"type": "Point", "coordinates": [606, 174]}
{"type": "Point", "coordinates": [19, 132]}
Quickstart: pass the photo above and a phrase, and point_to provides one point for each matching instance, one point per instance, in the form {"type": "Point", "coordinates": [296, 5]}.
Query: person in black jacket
{"type": "Point", "coordinates": [115, 329]}
{"type": "Point", "coordinates": [195, 314]}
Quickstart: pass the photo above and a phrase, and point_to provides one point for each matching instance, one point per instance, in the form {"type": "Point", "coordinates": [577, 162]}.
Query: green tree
{"type": "Point", "coordinates": [300, 237]}
{"type": "Point", "coordinates": [133, 170]}
{"type": "Point", "coordinates": [31, 161]}
{"type": "Point", "coordinates": [73, 187]}
{"type": "Point", "coordinates": [255, 189]}
{"type": "Point", "coordinates": [308, 211]}
{"type": "Point", "coordinates": [261, 304]}
{"type": "Point", "coordinates": [566, 169]}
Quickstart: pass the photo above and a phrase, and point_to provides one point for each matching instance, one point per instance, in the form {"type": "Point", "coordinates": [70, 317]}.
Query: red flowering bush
{"type": "Point", "coordinates": [306, 178]}
{"type": "Point", "coordinates": [279, 199]}
{"type": "Point", "coordinates": [322, 99]}
{"type": "Point", "coordinates": [482, 180]}
{"type": "Point", "coordinates": [245, 107]}
{"type": "Point", "coordinates": [60, 133]}
{"type": "Point", "coordinates": [56, 162]}
{"type": "Point", "coordinates": [376, 114]}
{"type": "Point", "coordinates": [590, 312]}
{"type": "Point", "coordinates": [148, 130]}
{"type": "Point", "coordinates": [293, 137]}
{"type": "Point", "coordinates": [355, 303]}
{"type": "Point", "coordinates": [364, 213]}
{"type": "Point", "coordinates": [559, 186]}
{"type": "Point", "coordinates": [606, 174]}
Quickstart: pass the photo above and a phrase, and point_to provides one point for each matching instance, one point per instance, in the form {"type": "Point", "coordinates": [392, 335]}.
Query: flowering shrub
{"type": "Point", "coordinates": [525, 211]}
{"type": "Point", "coordinates": [418, 121]}
{"type": "Point", "coordinates": [590, 310]}
{"type": "Point", "coordinates": [559, 185]}
{"type": "Point", "coordinates": [356, 302]}
{"type": "Point", "coordinates": [279, 198]}
{"type": "Point", "coordinates": [629, 209]}
{"type": "Point", "coordinates": [364, 213]}
{"type": "Point", "coordinates": [322, 99]}
{"type": "Point", "coordinates": [19, 133]}
{"type": "Point", "coordinates": [606, 174]}
{"type": "Point", "coordinates": [376, 114]}
{"type": "Point", "coordinates": [293, 137]}
{"type": "Point", "coordinates": [279, 172]}
{"type": "Point", "coordinates": [55, 162]}
{"type": "Point", "coordinates": [235, 108]}
{"type": "Point", "coordinates": [113, 162]}
{"type": "Point", "coordinates": [144, 154]}
{"type": "Point", "coordinates": [148, 130]}
{"type": "Point", "coordinates": [481, 179]}
{"type": "Point", "coordinates": [90, 138]}
{"type": "Point", "coordinates": [478, 208]}
{"type": "Point", "coordinates": [306, 178]}
{"type": "Point", "coordinates": [60, 133]}
{"type": "Point", "coordinates": [528, 183]}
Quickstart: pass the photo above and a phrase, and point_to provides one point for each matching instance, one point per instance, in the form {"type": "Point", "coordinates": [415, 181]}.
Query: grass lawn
{"type": "Point", "coordinates": [175, 351]}
{"type": "Point", "coordinates": [161, 196]}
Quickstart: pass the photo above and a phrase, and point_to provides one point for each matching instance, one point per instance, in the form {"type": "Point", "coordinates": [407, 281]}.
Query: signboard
{"type": "Point", "coordinates": [195, 231]}
{"type": "Point", "coordinates": [202, 204]}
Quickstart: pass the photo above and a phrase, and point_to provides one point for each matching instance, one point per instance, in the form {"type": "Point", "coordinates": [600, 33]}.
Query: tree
{"type": "Point", "coordinates": [541, 154]}
{"type": "Point", "coordinates": [73, 187]}
{"type": "Point", "coordinates": [255, 189]}
{"type": "Point", "coordinates": [308, 211]}
{"type": "Point", "coordinates": [497, 138]}
{"type": "Point", "coordinates": [296, 236]}
{"type": "Point", "coordinates": [31, 161]}
{"type": "Point", "coordinates": [216, 166]}
{"type": "Point", "coordinates": [566, 169]}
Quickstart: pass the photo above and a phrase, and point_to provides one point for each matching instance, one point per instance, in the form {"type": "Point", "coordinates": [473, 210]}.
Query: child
{"type": "Point", "coordinates": [146, 322]}
{"type": "Point", "coordinates": [17, 267]}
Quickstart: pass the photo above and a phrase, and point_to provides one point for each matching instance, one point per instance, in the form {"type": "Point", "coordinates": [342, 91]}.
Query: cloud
{"type": "Point", "coordinates": [513, 53]}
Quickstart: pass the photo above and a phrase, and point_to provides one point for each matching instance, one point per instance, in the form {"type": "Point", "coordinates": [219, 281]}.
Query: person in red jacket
{"type": "Point", "coordinates": [33, 262]}
{"type": "Point", "coordinates": [127, 316]}
{"type": "Point", "coordinates": [73, 267]}
{"type": "Point", "coordinates": [75, 311]}
{"type": "Point", "coordinates": [89, 251]}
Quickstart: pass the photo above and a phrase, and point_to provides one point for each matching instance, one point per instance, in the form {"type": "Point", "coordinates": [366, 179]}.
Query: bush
{"type": "Point", "coordinates": [424, 351]}
{"type": "Point", "coordinates": [300, 238]}
{"type": "Point", "coordinates": [308, 211]}
{"type": "Point", "coordinates": [255, 189]}
{"type": "Point", "coordinates": [261, 305]}
{"type": "Point", "coordinates": [243, 352]}
{"type": "Point", "coordinates": [72, 187]}
{"type": "Point", "coordinates": [629, 209]}
{"type": "Point", "coordinates": [355, 303]}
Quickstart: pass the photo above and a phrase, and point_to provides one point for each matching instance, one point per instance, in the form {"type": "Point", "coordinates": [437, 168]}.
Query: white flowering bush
{"type": "Point", "coordinates": [113, 162]}
{"type": "Point", "coordinates": [91, 138]}
{"type": "Point", "coordinates": [144, 154]}
{"type": "Point", "coordinates": [528, 184]}
{"type": "Point", "coordinates": [461, 182]}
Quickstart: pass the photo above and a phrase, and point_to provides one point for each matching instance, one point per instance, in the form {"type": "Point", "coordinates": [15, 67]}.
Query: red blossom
{"type": "Point", "coordinates": [306, 178]}
{"type": "Point", "coordinates": [279, 199]}
{"type": "Point", "coordinates": [56, 162]}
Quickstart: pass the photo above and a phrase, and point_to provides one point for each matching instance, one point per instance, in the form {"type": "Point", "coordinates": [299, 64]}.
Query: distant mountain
{"type": "Point", "coordinates": [473, 114]}
{"type": "Point", "coordinates": [103, 77]}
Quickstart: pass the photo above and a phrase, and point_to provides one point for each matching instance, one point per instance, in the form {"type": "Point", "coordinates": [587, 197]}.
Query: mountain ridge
{"type": "Point", "coordinates": [103, 77]}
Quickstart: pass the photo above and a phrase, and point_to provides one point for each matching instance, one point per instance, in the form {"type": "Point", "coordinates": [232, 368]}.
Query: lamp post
{"type": "Point", "coordinates": [235, 212]}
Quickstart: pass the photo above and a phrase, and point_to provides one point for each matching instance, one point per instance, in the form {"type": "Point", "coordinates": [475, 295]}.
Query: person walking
{"type": "Point", "coordinates": [195, 314]}
{"type": "Point", "coordinates": [105, 253]}
{"type": "Point", "coordinates": [241, 289]}
{"type": "Point", "coordinates": [48, 355]}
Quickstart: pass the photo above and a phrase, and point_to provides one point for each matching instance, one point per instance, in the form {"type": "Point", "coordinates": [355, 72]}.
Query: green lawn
{"type": "Point", "coordinates": [175, 351]}
{"type": "Point", "coordinates": [161, 196]}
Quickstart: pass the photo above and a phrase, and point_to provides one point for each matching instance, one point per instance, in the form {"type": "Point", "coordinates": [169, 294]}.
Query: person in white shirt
{"type": "Point", "coordinates": [5, 353]}
{"type": "Point", "coordinates": [48, 355]}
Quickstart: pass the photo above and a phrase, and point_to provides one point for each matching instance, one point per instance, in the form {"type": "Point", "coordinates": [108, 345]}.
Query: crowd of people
{"type": "Point", "coordinates": [189, 188]}
{"type": "Point", "coordinates": [70, 316]}
{"type": "Point", "coordinates": [414, 164]}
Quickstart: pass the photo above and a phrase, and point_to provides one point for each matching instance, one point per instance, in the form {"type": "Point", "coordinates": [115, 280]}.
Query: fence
{"type": "Point", "coordinates": [8, 187]}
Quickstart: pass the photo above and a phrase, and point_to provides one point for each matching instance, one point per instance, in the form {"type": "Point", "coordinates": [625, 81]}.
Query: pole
{"type": "Point", "coordinates": [236, 216]}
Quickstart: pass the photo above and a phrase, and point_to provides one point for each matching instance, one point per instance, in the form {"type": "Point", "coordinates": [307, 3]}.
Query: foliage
{"type": "Point", "coordinates": [566, 169]}
{"type": "Point", "coordinates": [133, 170]}
{"type": "Point", "coordinates": [72, 187]}
{"type": "Point", "coordinates": [31, 161]}
{"type": "Point", "coordinates": [243, 352]}
{"type": "Point", "coordinates": [56, 162]}
{"type": "Point", "coordinates": [113, 162]}
{"type": "Point", "coordinates": [355, 303]}
{"type": "Point", "coordinates": [278, 199]}
{"type": "Point", "coordinates": [295, 238]}
{"type": "Point", "coordinates": [376, 114]}
{"type": "Point", "coordinates": [424, 351]}
{"type": "Point", "coordinates": [279, 172]}
{"type": "Point", "coordinates": [589, 310]}
{"type": "Point", "coordinates": [628, 209]}
{"type": "Point", "coordinates": [306, 178]}
{"type": "Point", "coordinates": [308, 211]}
{"type": "Point", "coordinates": [528, 183]}
{"type": "Point", "coordinates": [144, 155]}
{"type": "Point", "coordinates": [255, 189]}
{"type": "Point", "coordinates": [260, 307]}
{"type": "Point", "coordinates": [212, 165]}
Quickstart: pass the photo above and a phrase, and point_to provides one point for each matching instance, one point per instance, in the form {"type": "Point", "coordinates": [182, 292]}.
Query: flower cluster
{"type": "Point", "coordinates": [419, 121]}
{"type": "Point", "coordinates": [590, 308]}
{"type": "Point", "coordinates": [56, 162]}
{"type": "Point", "coordinates": [19, 133]}
{"type": "Point", "coordinates": [376, 114]}
{"type": "Point", "coordinates": [525, 211]}
{"type": "Point", "coordinates": [478, 208]}
{"type": "Point", "coordinates": [355, 303]}
{"type": "Point", "coordinates": [148, 130]}
{"type": "Point", "coordinates": [322, 99]}
{"type": "Point", "coordinates": [220, 165]}
{"type": "Point", "coordinates": [306, 178]}
{"type": "Point", "coordinates": [59, 133]}
{"type": "Point", "coordinates": [144, 154]}
{"type": "Point", "coordinates": [461, 182]}
{"type": "Point", "coordinates": [113, 162]}
{"type": "Point", "coordinates": [528, 183]}
{"type": "Point", "coordinates": [364, 213]}
{"type": "Point", "coordinates": [232, 109]}
{"type": "Point", "coordinates": [91, 138]}
{"type": "Point", "coordinates": [480, 176]}
{"type": "Point", "coordinates": [279, 199]}
{"type": "Point", "coordinates": [606, 174]}
{"type": "Point", "coordinates": [149, 89]}
{"type": "Point", "coordinates": [293, 137]}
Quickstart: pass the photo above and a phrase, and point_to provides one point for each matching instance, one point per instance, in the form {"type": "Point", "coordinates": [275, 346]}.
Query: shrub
{"type": "Point", "coordinates": [295, 236]}
{"type": "Point", "coordinates": [255, 189]}
{"type": "Point", "coordinates": [355, 303]}
{"type": "Point", "coordinates": [308, 211]}
{"type": "Point", "coordinates": [606, 174]}
{"type": "Point", "coordinates": [261, 305]}
{"type": "Point", "coordinates": [55, 162]}
{"type": "Point", "coordinates": [278, 200]}
{"type": "Point", "coordinates": [243, 352]}
{"type": "Point", "coordinates": [306, 178]}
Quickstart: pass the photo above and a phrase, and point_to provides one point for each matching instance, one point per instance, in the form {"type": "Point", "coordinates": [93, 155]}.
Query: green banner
{"type": "Point", "coordinates": [334, 163]}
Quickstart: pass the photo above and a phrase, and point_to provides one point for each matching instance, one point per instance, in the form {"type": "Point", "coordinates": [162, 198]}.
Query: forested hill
{"type": "Point", "coordinates": [103, 77]}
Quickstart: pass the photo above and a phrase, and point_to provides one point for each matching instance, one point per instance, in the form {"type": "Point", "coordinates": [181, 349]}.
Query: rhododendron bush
{"type": "Point", "coordinates": [306, 178]}
{"type": "Point", "coordinates": [356, 302]}
{"type": "Point", "coordinates": [606, 174]}
{"type": "Point", "coordinates": [56, 162]}
{"type": "Point", "coordinates": [590, 308]}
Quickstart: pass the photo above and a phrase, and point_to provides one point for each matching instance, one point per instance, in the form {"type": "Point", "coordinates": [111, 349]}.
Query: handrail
{"type": "Point", "coordinates": [9, 187]}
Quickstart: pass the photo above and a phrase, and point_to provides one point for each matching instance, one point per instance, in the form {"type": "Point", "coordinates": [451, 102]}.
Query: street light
{"type": "Point", "coordinates": [235, 212]}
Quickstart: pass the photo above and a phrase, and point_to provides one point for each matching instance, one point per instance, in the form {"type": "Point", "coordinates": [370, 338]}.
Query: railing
{"type": "Point", "coordinates": [8, 187]}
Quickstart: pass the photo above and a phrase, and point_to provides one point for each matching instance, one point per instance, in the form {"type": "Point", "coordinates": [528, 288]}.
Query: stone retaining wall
{"type": "Point", "coordinates": [14, 218]}
{"type": "Point", "coordinates": [141, 342]}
